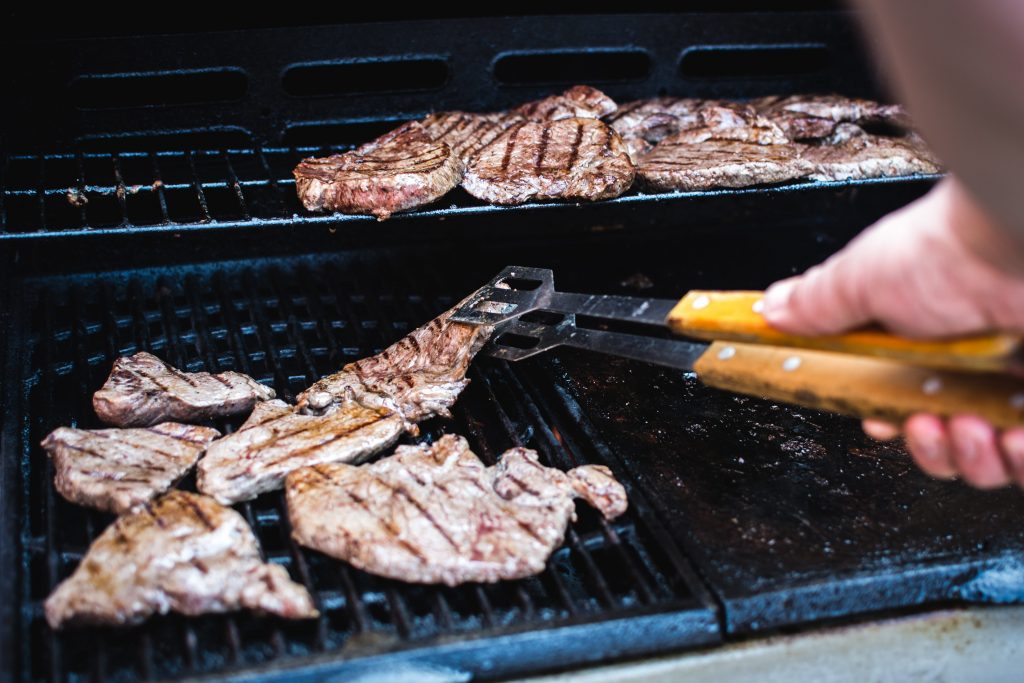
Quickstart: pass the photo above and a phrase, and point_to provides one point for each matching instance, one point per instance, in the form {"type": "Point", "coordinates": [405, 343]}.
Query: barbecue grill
{"type": "Point", "coordinates": [147, 204]}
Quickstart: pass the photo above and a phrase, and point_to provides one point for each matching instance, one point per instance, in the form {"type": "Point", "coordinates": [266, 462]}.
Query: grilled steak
{"type": "Point", "coordinates": [116, 469]}
{"type": "Point", "coordinates": [855, 154]}
{"type": "Point", "coordinates": [182, 553]}
{"type": "Point", "coordinates": [723, 120]}
{"type": "Point", "coordinates": [436, 514]}
{"type": "Point", "coordinates": [467, 133]}
{"type": "Point", "coordinates": [417, 377]}
{"type": "Point", "coordinates": [143, 390]}
{"type": "Point", "coordinates": [578, 102]}
{"type": "Point", "coordinates": [398, 171]}
{"type": "Point", "coordinates": [277, 439]}
{"type": "Point", "coordinates": [565, 159]}
{"type": "Point", "coordinates": [676, 164]}
{"type": "Point", "coordinates": [644, 123]}
{"type": "Point", "coordinates": [804, 117]}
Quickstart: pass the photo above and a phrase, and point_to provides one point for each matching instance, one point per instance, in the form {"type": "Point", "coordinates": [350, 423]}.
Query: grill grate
{"type": "Point", "coordinates": [54, 195]}
{"type": "Point", "coordinates": [287, 325]}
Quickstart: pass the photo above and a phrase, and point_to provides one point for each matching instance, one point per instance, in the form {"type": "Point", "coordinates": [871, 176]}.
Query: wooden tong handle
{"type": "Point", "coordinates": [735, 316]}
{"type": "Point", "coordinates": [860, 386]}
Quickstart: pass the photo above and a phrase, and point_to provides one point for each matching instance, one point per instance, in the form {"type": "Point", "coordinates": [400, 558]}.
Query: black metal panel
{"type": "Point", "coordinates": [615, 589]}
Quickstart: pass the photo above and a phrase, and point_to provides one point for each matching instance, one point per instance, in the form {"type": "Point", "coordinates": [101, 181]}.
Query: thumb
{"type": "Point", "coordinates": [827, 299]}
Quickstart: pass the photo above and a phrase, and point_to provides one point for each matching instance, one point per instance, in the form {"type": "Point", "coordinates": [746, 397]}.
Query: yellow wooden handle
{"type": "Point", "coordinates": [735, 316]}
{"type": "Point", "coordinates": [860, 386]}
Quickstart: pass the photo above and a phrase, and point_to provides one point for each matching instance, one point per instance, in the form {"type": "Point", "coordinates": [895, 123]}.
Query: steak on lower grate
{"type": "Point", "coordinates": [116, 469]}
{"type": "Point", "coordinates": [566, 159]}
{"type": "Point", "coordinates": [682, 165]}
{"type": "Point", "coordinates": [182, 553]}
{"type": "Point", "coordinates": [400, 170]}
{"type": "Point", "coordinates": [436, 514]}
{"type": "Point", "coordinates": [143, 390]}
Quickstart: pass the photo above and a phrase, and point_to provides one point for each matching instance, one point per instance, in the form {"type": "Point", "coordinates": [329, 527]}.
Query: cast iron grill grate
{"type": "Point", "coordinates": [211, 188]}
{"type": "Point", "coordinates": [288, 324]}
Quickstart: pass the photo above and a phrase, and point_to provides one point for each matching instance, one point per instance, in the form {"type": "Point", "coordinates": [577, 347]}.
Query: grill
{"type": "Point", "coordinates": [746, 517]}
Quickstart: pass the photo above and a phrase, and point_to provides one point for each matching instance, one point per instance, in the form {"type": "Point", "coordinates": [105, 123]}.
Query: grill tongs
{"type": "Point", "coordinates": [868, 373]}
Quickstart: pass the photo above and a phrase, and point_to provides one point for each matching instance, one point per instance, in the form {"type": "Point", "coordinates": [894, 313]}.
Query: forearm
{"type": "Point", "coordinates": [959, 66]}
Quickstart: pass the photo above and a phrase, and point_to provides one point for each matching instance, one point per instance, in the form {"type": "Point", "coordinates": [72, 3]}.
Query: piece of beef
{"type": "Point", "coordinates": [116, 469]}
{"type": "Point", "coordinates": [806, 117]}
{"type": "Point", "coordinates": [676, 164]}
{"type": "Point", "coordinates": [143, 390]}
{"type": "Point", "coordinates": [181, 553]}
{"type": "Point", "coordinates": [417, 377]}
{"type": "Point", "coordinates": [467, 133]}
{"type": "Point", "coordinates": [436, 514]}
{"type": "Point", "coordinates": [725, 120]}
{"type": "Point", "coordinates": [853, 154]}
{"type": "Point", "coordinates": [644, 123]}
{"type": "Point", "coordinates": [578, 102]}
{"type": "Point", "coordinates": [401, 170]}
{"type": "Point", "coordinates": [277, 439]}
{"type": "Point", "coordinates": [565, 159]}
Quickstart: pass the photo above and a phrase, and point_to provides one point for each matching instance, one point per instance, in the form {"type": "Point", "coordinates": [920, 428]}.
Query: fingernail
{"type": "Point", "coordinates": [968, 448]}
{"type": "Point", "coordinates": [777, 297]}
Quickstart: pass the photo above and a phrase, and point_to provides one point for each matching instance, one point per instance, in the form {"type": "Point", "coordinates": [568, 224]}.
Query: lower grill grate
{"type": "Point", "coordinates": [287, 325]}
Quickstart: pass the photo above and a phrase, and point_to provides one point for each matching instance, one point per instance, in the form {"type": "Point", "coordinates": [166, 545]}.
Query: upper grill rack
{"type": "Point", "coordinates": [87, 193]}
{"type": "Point", "coordinates": [287, 326]}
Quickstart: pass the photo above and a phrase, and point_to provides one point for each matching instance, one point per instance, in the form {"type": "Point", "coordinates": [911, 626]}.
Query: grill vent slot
{"type": "Point", "coordinates": [158, 88]}
{"type": "Point", "coordinates": [753, 61]}
{"type": "Point", "coordinates": [386, 74]}
{"type": "Point", "coordinates": [572, 66]}
{"type": "Point", "coordinates": [339, 134]}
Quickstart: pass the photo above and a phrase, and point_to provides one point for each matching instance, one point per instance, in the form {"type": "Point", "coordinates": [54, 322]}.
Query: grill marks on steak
{"type": "Point", "coordinates": [398, 171]}
{"type": "Point", "coordinates": [277, 439]}
{"type": "Point", "coordinates": [856, 154]}
{"type": "Point", "coordinates": [436, 514]}
{"type": "Point", "coordinates": [143, 390]}
{"type": "Point", "coordinates": [417, 377]}
{"type": "Point", "coordinates": [116, 469]}
{"type": "Point", "coordinates": [467, 133]}
{"type": "Point", "coordinates": [182, 553]}
{"type": "Point", "coordinates": [572, 158]}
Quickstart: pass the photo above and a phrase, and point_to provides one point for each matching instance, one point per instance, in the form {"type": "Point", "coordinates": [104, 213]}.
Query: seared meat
{"type": "Point", "coordinates": [578, 102]}
{"type": "Point", "coordinates": [417, 377]}
{"type": "Point", "coordinates": [143, 390]}
{"type": "Point", "coordinates": [467, 133]}
{"type": "Point", "coordinates": [182, 553]}
{"type": "Point", "coordinates": [644, 123]}
{"type": "Point", "coordinates": [855, 154]}
{"type": "Point", "coordinates": [679, 165]}
{"type": "Point", "coordinates": [565, 159]}
{"type": "Point", "coordinates": [398, 171]}
{"type": "Point", "coordinates": [804, 117]}
{"type": "Point", "coordinates": [277, 439]}
{"type": "Point", "coordinates": [436, 514]}
{"type": "Point", "coordinates": [723, 120]}
{"type": "Point", "coordinates": [116, 469]}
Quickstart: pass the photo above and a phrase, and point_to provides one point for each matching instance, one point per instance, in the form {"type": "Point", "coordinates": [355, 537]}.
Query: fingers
{"type": "Point", "coordinates": [968, 447]}
{"type": "Point", "coordinates": [881, 431]}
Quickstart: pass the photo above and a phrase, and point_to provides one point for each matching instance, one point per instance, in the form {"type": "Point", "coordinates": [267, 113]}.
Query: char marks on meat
{"type": "Point", "coordinates": [116, 469]}
{"type": "Point", "coordinates": [855, 154]}
{"type": "Point", "coordinates": [143, 390]}
{"type": "Point", "coordinates": [723, 120]}
{"type": "Point", "coordinates": [182, 553]}
{"type": "Point", "coordinates": [467, 133]}
{"type": "Point", "coordinates": [436, 514]}
{"type": "Point", "coordinates": [277, 439]}
{"type": "Point", "coordinates": [398, 171]}
{"type": "Point", "coordinates": [566, 159]}
{"type": "Point", "coordinates": [417, 377]}
{"type": "Point", "coordinates": [683, 165]}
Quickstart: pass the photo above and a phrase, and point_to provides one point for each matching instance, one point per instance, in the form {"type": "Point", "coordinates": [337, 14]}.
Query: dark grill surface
{"type": "Point", "coordinates": [287, 325]}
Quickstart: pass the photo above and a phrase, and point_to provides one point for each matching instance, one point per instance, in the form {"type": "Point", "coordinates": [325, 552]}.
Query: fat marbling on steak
{"type": "Point", "coordinates": [572, 158]}
{"type": "Point", "coordinates": [399, 171]}
{"type": "Point", "coordinates": [143, 390]}
{"type": "Point", "coordinates": [116, 469]}
{"type": "Point", "coordinates": [436, 514]}
{"type": "Point", "coordinates": [678, 164]}
{"type": "Point", "coordinates": [182, 553]}
{"type": "Point", "coordinates": [277, 439]}
{"type": "Point", "coordinates": [417, 377]}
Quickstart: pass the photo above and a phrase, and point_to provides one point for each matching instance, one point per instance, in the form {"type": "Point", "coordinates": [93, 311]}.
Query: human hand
{"type": "Point", "coordinates": [938, 267]}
